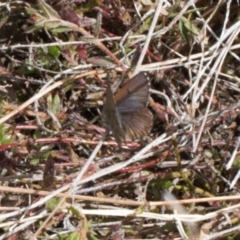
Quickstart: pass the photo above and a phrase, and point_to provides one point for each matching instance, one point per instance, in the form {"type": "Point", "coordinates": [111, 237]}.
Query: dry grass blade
{"type": "Point", "coordinates": [63, 177]}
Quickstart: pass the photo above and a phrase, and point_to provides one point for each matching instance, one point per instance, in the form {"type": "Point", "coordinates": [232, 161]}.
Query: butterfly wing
{"type": "Point", "coordinates": [138, 123]}
{"type": "Point", "coordinates": [111, 118]}
{"type": "Point", "coordinates": [131, 101]}
{"type": "Point", "coordinates": [126, 112]}
{"type": "Point", "coordinates": [133, 95]}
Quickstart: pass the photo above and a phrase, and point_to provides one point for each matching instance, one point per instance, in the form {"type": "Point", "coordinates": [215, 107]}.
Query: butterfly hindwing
{"type": "Point", "coordinates": [137, 124]}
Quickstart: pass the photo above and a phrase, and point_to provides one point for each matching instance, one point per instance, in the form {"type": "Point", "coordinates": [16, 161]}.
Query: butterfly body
{"type": "Point", "coordinates": [126, 113]}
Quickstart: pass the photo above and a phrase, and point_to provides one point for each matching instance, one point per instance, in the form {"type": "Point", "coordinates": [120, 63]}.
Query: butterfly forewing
{"type": "Point", "coordinates": [134, 94]}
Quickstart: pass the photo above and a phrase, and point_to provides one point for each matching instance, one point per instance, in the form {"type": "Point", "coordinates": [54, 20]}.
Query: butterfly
{"type": "Point", "coordinates": [125, 113]}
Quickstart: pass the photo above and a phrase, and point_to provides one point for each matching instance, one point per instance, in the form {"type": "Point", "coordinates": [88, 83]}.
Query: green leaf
{"type": "Point", "coordinates": [37, 18]}
{"type": "Point", "coordinates": [183, 30]}
{"type": "Point", "coordinates": [52, 203]}
{"type": "Point", "coordinates": [56, 104]}
{"type": "Point", "coordinates": [49, 20]}
{"type": "Point", "coordinates": [161, 185]}
{"type": "Point", "coordinates": [145, 26]}
{"type": "Point", "coordinates": [73, 236]}
{"type": "Point", "coordinates": [3, 135]}
{"type": "Point", "coordinates": [54, 51]}
{"type": "Point", "coordinates": [187, 29]}
{"type": "Point", "coordinates": [34, 161]}
{"type": "Point", "coordinates": [55, 25]}
{"type": "Point", "coordinates": [48, 11]}
{"type": "Point", "coordinates": [74, 211]}
{"type": "Point", "coordinates": [53, 103]}
{"type": "Point", "coordinates": [190, 26]}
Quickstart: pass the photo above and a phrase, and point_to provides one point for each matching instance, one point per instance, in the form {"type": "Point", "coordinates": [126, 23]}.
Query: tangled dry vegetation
{"type": "Point", "coordinates": [60, 178]}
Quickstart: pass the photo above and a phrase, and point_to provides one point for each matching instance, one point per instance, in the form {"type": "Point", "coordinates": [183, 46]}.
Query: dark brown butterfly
{"type": "Point", "coordinates": [125, 113]}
